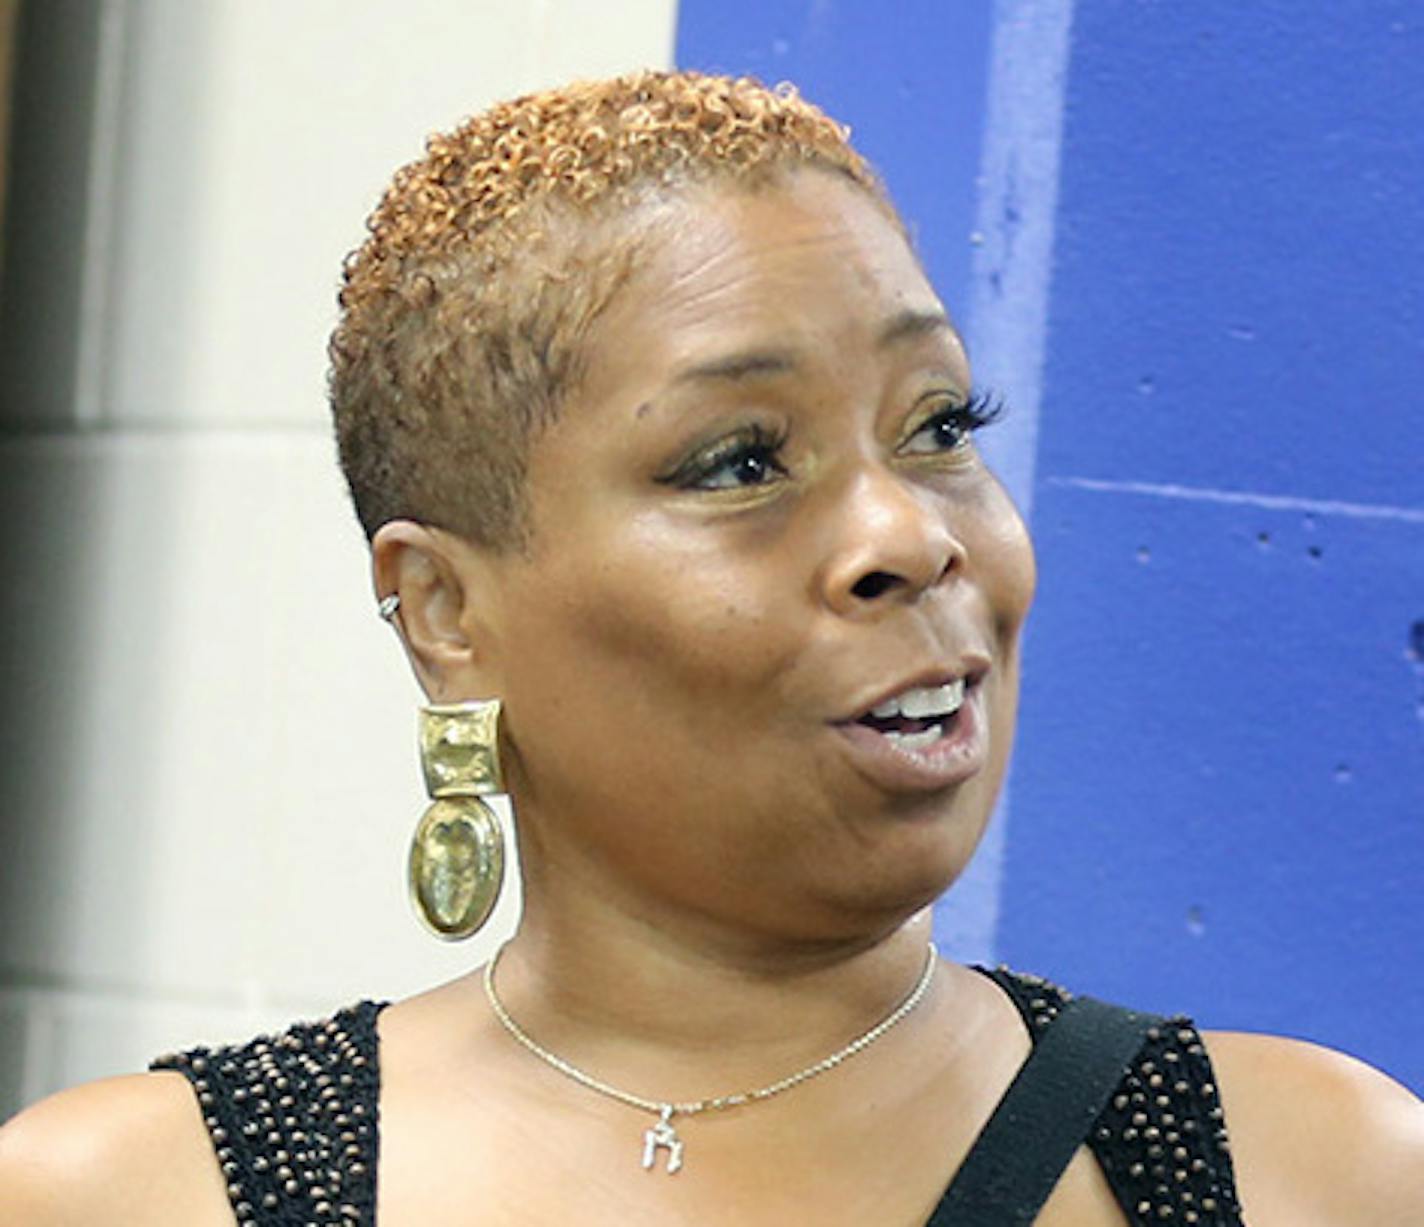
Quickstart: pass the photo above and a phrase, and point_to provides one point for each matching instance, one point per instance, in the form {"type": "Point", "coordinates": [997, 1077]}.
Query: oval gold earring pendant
{"type": "Point", "coordinates": [456, 866]}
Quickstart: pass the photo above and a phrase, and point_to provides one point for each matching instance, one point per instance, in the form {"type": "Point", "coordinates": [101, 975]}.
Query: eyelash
{"type": "Point", "coordinates": [980, 410]}
{"type": "Point", "coordinates": [752, 443]}
{"type": "Point", "coordinates": [757, 444]}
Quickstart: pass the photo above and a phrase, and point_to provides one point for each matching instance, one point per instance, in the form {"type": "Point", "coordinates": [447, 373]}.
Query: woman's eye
{"type": "Point", "coordinates": [942, 433]}
{"type": "Point", "coordinates": [750, 459]}
{"type": "Point", "coordinates": [751, 467]}
{"type": "Point", "coordinates": [950, 427]}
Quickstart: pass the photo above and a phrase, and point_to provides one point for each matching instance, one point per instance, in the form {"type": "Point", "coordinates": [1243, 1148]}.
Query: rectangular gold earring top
{"type": "Point", "coordinates": [459, 748]}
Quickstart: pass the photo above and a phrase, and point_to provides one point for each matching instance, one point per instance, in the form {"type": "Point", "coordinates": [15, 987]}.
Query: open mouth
{"type": "Point", "coordinates": [916, 718]}
{"type": "Point", "coordinates": [923, 738]}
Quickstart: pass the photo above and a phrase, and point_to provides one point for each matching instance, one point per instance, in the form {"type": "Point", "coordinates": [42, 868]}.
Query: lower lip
{"type": "Point", "coordinates": [958, 754]}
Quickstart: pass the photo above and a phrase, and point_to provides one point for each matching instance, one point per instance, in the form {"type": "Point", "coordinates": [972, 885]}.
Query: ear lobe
{"type": "Point", "coordinates": [430, 570]}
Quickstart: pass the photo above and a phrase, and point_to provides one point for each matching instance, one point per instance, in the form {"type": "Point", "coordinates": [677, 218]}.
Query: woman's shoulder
{"type": "Point", "coordinates": [122, 1150]}
{"type": "Point", "coordinates": [1319, 1137]}
{"type": "Point", "coordinates": [1310, 1137]}
{"type": "Point", "coordinates": [204, 1131]}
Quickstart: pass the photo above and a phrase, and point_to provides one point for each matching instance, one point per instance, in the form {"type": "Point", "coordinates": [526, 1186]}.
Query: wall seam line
{"type": "Point", "coordinates": [1244, 498]}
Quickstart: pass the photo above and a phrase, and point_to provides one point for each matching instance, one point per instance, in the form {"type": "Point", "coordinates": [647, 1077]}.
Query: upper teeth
{"type": "Point", "coordinates": [923, 701]}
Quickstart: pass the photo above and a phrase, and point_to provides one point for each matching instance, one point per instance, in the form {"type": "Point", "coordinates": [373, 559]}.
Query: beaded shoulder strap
{"type": "Point", "coordinates": [1043, 1117]}
{"type": "Point", "coordinates": [1161, 1136]}
{"type": "Point", "coordinates": [293, 1120]}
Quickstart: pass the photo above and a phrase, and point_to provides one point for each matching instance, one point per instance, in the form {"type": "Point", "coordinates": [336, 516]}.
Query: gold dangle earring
{"type": "Point", "coordinates": [457, 852]}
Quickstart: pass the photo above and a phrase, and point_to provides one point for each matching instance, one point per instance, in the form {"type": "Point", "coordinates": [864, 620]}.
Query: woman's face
{"type": "Point", "coordinates": [759, 518]}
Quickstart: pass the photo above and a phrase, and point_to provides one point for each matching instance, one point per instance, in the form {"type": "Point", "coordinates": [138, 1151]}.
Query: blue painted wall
{"type": "Point", "coordinates": [1219, 794]}
{"type": "Point", "coordinates": [1218, 797]}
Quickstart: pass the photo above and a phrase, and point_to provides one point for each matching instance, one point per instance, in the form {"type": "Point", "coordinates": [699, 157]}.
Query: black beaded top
{"type": "Point", "coordinates": [1161, 1139]}
{"type": "Point", "coordinates": [293, 1120]}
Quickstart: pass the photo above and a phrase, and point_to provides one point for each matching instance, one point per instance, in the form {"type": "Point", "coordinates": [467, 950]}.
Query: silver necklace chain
{"type": "Point", "coordinates": [663, 1134]}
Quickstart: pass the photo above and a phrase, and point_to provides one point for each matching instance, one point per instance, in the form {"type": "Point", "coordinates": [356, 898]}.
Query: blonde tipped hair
{"type": "Point", "coordinates": [464, 312]}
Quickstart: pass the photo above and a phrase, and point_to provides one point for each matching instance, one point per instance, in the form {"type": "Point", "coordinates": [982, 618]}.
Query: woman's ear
{"type": "Point", "coordinates": [439, 618]}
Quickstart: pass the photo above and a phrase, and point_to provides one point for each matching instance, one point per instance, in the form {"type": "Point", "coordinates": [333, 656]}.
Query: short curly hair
{"type": "Point", "coordinates": [464, 312]}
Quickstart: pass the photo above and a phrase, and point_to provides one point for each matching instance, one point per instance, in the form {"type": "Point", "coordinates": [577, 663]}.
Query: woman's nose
{"type": "Point", "coordinates": [894, 544]}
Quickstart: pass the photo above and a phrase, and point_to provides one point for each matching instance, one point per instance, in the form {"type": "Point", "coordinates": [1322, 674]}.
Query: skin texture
{"type": "Point", "coordinates": [718, 888]}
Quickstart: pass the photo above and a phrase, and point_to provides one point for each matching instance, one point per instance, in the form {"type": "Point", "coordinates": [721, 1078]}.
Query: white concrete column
{"type": "Point", "coordinates": [209, 739]}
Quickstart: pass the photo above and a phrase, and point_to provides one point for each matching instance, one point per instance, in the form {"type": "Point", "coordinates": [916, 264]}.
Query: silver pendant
{"type": "Point", "coordinates": [665, 1135]}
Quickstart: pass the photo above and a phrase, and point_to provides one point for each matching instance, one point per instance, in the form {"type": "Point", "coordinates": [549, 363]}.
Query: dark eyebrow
{"type": "Point", "coordinates": [910, 324]}
{"type": "Point", "coordinates": [739, 366]}
{"type": "Point", "coordinates": [904, 326]}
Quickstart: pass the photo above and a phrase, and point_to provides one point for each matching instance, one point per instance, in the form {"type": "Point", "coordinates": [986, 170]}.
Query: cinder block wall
{"type": "Point", "coordinates": [208, 740]}
{"type": "Point", "coordinates": [1219, 797]}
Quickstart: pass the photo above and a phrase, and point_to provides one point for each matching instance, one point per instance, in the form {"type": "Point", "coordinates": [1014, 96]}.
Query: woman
{"type": "Point", "coordinates": [662, 439]}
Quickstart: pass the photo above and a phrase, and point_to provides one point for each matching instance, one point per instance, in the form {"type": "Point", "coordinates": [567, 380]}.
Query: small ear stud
{"type": "Point", "coordinates": [388, 605]}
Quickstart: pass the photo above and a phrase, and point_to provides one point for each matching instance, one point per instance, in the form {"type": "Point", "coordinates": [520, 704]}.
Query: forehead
{"type": "Point", "coordinates": [806, 262]}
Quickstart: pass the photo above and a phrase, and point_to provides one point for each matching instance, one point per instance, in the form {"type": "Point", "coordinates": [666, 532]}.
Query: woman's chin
{"type": "Point", "coordinates": [886, 894]}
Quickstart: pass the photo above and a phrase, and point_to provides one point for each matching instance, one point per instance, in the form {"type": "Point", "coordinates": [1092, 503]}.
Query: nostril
{"type": "Point", "coordinates": [868, 587]}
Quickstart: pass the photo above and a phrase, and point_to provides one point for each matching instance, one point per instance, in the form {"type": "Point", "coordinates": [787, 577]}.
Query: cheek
{"type": "Point", "coordinates": [662, 670]}
{"type": "Point", "coordinates": [661, 628]}
{"type": "Point", "coordinates": [1007, 564]}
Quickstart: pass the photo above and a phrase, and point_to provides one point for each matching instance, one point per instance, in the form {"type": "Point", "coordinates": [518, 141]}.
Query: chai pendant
{"type": "Point", "coordinates": [665, 1135]}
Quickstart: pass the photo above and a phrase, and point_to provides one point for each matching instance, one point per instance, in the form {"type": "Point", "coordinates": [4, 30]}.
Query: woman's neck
{"type": "Point", "coordinates": [686, 1010]}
